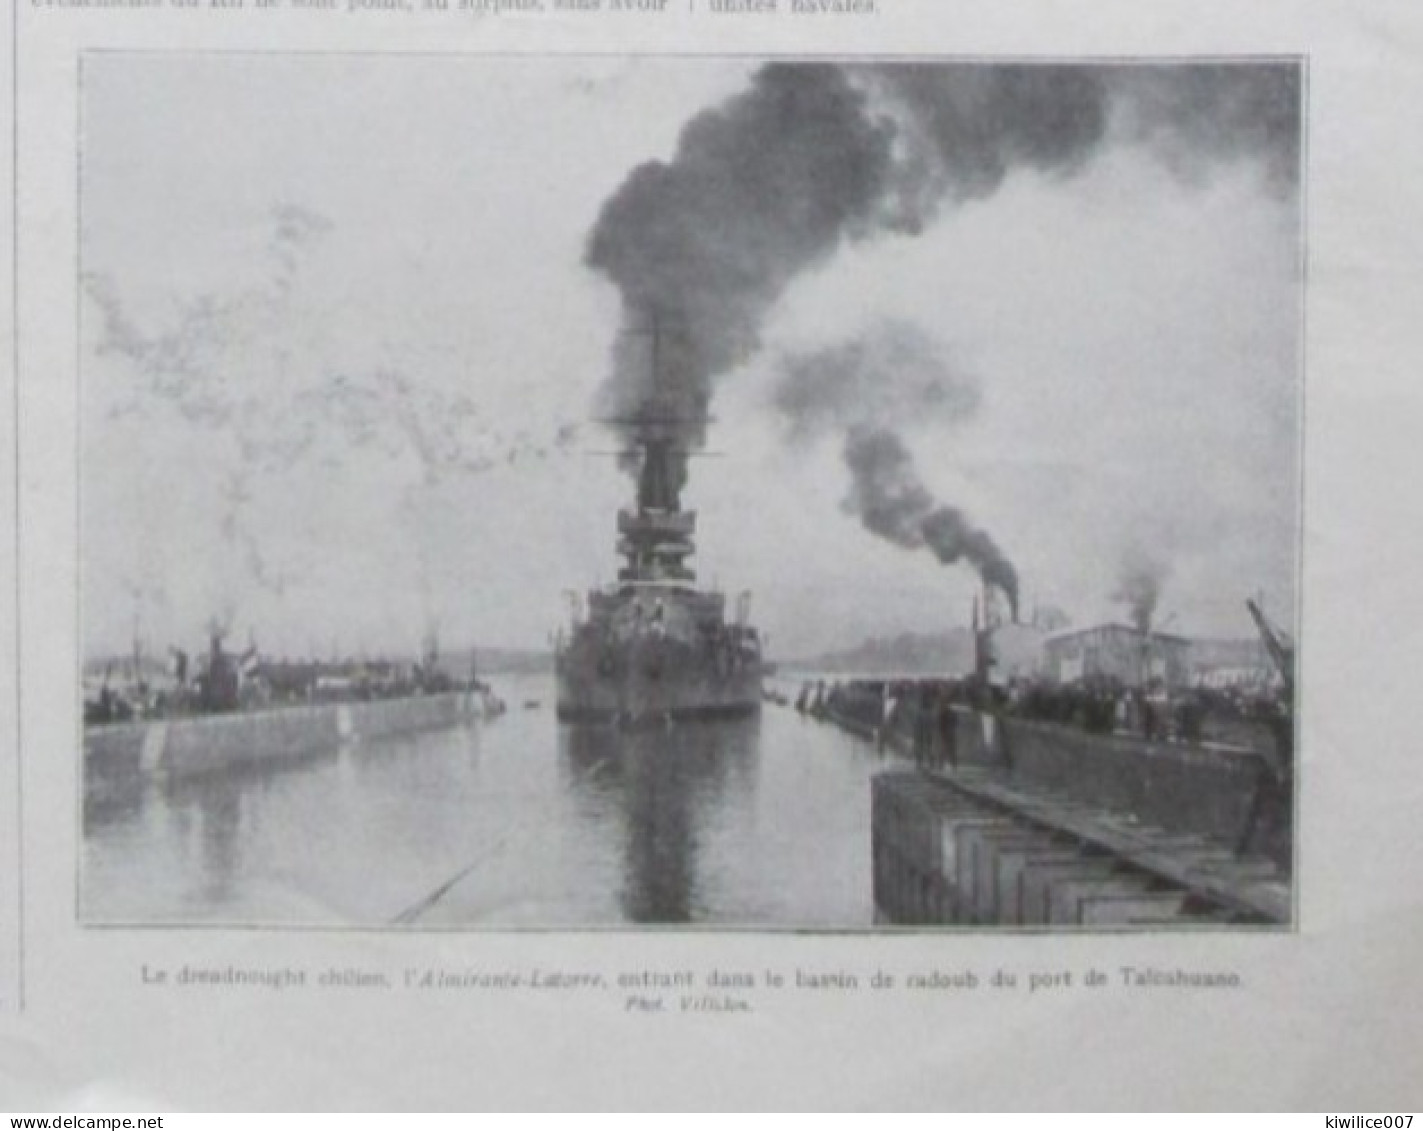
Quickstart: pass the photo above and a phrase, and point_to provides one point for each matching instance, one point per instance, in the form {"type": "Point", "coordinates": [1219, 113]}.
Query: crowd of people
{"type": "Point", "coordinates": [922, 708]}
{"type": "Point", "coordinates": [219, 680]}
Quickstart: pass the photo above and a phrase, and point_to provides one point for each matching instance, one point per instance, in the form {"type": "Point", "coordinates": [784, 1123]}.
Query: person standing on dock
{"type": "Point", "coordinates": [925, 714]}
{"type": "Point", "coordinates": [1150, 723]}
{"type": "Point", "coordinates": [948, 730]}
{"type": "Point", "coordinates": [889, 705]}
{"type": "Point", "coordinates": [1189, 719]}
{"type": "Point", "coordinates": [180, 668]}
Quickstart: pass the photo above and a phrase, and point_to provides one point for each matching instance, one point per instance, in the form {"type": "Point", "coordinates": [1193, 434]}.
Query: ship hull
{"type": "Point", "coordinates": [592, 711]}
{"type": "Point", "coordinates": [654, 680]}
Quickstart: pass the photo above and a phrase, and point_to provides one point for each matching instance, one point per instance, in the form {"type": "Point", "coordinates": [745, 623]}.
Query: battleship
{"type": "Point", "coordinates": [652, 646]}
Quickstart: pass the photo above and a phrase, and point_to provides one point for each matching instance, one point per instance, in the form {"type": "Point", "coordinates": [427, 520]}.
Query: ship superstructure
{"type": "Point", "coordinates": [653, 646]}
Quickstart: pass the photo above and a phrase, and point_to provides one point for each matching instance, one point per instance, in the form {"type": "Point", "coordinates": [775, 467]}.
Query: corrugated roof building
{"type": "Point", "coordinates": [1120, 652]}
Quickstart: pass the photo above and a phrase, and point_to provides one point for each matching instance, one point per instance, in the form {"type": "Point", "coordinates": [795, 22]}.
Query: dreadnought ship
{"type": "Point", "coordinates": [653, 646]}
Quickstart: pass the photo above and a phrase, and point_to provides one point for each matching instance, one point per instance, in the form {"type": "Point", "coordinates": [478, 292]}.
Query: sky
{"type": "Point", "coordinates": [342, 349]}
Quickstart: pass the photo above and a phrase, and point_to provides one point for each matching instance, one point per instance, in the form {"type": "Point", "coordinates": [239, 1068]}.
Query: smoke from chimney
{"type": "Point", "coordinates": [761, 189]}
{"type": "Point", "coordinates": [893, 374]}
{"type": "Point", "coordinates": [776, 179]}
{"type": "Point", "coordinates": [1140, 581]}
{"type": "Point", "coordinates": [888, 497]}
{"type": "Point", "coordinates": [866, 391]}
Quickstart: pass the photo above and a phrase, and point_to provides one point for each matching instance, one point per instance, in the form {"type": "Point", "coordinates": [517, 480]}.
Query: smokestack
{"type": "Point", "coordinates": [952, 537]}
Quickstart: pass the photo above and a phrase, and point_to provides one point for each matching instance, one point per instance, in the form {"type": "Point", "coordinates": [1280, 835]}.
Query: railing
{"type": "Point", "coordinates": [671, 524]}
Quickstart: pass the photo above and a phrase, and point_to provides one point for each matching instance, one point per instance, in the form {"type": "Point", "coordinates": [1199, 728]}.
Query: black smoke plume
{"type": "Point", "coordinates": [1139, 585]}
{"type": "Point", "coordinates": [891, 375]}
{"type": "Point", "coordinates": [889, 498]}
{"type": "Point", "coordinates": [964, 128]}
{"type": "Point", "coordinates": [865, 390]}
{"type": "Point", "coordinates": [1195, 117]}
{"type": "Point", "coordinates": [772, 182]}
{"type": "Point", "coordinates": [760, 189]}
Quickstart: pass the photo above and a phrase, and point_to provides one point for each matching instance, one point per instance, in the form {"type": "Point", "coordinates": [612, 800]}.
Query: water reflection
{"type": "Point", "coordinates": [662, 788]}
{"type": "Point", "coordinates": [215, 815]}
{"type": "Point", "coordinates": [516, 821]}
{"type": "Point", "coordinates": [112, 799]}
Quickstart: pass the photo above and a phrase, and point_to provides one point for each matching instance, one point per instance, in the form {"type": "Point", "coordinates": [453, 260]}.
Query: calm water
{"type": "Point", "coordinates": [519, 821]}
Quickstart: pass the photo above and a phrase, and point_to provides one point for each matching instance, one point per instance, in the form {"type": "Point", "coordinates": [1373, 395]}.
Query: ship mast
{"type": "Point", "coordinates": [656, 539]}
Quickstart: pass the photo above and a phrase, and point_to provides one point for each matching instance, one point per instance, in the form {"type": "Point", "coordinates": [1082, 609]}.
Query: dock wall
{"type": "Point", "coordinates": [186, 747]}
{"type": "Point", "coordinates": [861, 712]}
{"type": "Point", "coordinates": [943, 858]}
{"type": "Point", "coordinates": [1210, 791]}
{"type": "Point", "coordinates": [1217, 817]}
{"type": "Point", "coordinates": [381, 718]}
{"type": "Point", "coordinates": [1178, 787]}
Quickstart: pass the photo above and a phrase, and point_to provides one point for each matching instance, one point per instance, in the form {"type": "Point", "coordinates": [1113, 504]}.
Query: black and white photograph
{"type": "Point", "coordinates": [551, 492]}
